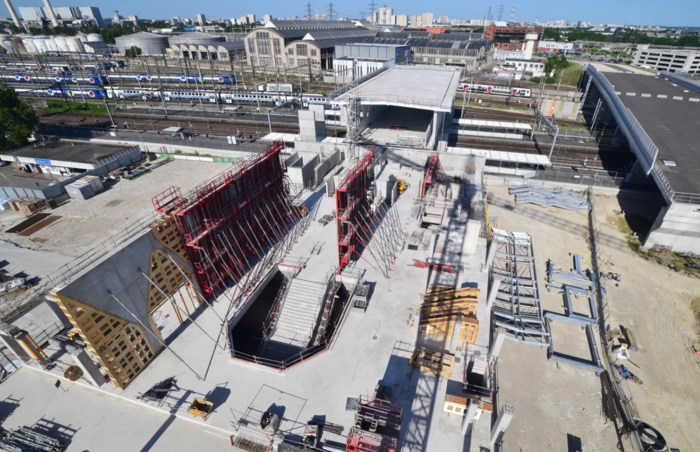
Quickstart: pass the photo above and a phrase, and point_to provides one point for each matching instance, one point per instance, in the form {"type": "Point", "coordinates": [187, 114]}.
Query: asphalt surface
{"type": "Point", "coordinates": [672, 124]}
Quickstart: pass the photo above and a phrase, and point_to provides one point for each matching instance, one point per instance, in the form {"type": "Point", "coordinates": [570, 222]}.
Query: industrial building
{"type": "Point", "coordinates": [39, 45]}
{"type": "Point", "coordinates": [657, 116]}
{"type": "Point", "coordinates": [555, 47]}
{"type": "Point", "coordinates": [351, 61]}
{"type": "Point", "coordinates": [509, 38]}
{"type": "Point", "coordinates": [45, 168]}
{"type": "Point", "coordinates": [233, 51]}
{"type": "Point", "coordinates": [149, 43]}
{"type": "Point", "coordinates": [685, 61]}
{"type": "Point", "coordinates": [443, 50]}
{"type": "Point", "coordinates": [39, 14]}
{"type": "Point", "coordinates": [536, 68]}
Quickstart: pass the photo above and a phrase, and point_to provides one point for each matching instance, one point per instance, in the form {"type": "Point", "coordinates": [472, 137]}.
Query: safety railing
{"type": "Point", "coordinates": [647, 149]}
{"type": "Point", "coordinates": [683, 81]}
{"type": "Point", "coordinates": [667, 191]}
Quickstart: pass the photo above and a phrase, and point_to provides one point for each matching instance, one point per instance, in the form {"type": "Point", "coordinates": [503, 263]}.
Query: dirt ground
{"type": "Point", "coordinates": [559, 407]}
{"type": "Point", "coordinates": [86, 223]}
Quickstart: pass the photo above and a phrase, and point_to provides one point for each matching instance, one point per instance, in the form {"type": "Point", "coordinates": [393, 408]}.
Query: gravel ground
{"type": "Point", "coordinates": [556, 406]}
{"type": "Point", "coordinates": [85, 224]}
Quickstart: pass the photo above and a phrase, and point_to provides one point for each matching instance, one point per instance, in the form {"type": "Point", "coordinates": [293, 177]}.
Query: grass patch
{"type": "Point", "coordinates": [636, 226]}
{"type": "Point", "coordinates": [76, 107]}
{"type": "Point", "coordinates": [572, 74]}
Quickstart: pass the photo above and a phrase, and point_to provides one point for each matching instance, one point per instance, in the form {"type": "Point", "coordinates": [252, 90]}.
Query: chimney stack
{"type": "Point", "coordinates": [15, 19]}
{"type": "Point", "coordinates": [52, 16]}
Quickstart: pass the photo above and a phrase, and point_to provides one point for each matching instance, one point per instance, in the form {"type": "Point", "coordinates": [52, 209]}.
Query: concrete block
{"type": "Point", "coordinates": [468, 420]}
{"type": "Point", "coordinates": [498, 340]}
{"type": "Point", "coordinates": [91, 371]}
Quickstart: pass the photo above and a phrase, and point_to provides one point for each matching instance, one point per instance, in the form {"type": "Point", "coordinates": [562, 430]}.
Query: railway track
{"type": "Point", "coordinates": [602, 159]}
{"type": "Point", "coordinates": [214, 127]}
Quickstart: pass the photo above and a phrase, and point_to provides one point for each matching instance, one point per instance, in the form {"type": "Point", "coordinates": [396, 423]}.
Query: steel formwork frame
{"type": "Point", "coordinates": [431, 174]}
{"type": "Point", "coordinates": [353, 213]}
{"type": "Point", "coordinates": [376, 412]}
{"type": "Point", "coordinates": [225, 222]}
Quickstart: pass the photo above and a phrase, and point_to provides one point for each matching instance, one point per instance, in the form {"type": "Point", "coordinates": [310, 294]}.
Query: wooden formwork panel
{"type": "Point", "coordinates": [438, 363]}
{"type": "Point", "coordinates": [461, 307]}
{"type": "Point", "coordinates": [470, 328]}
{"type": "Point", "coordinates": [468, 293]}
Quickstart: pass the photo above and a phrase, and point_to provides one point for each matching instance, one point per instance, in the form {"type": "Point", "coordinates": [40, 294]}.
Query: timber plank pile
{"type": "Point", "coordinates": [444, 306]}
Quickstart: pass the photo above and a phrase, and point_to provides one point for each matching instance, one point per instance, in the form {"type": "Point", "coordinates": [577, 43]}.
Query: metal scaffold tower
{"type": "Point", "coordinates": [228, 223]}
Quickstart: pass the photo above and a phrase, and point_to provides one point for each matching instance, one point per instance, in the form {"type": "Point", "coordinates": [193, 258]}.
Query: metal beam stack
{"type": "Point", "coordinates": [545, 197]}
{"type": "Point", "coordinates": [24, 439]}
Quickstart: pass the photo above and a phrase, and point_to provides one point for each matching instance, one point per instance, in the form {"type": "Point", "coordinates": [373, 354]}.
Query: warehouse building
{"type": "Point", "coordinates": [351, 61]}
{"type": "Point", "coordinates": [218, 51]}
{"type": "Point", "coordinates": [42, 170]}
{"type": "Point", "coordinates": [686, 61]}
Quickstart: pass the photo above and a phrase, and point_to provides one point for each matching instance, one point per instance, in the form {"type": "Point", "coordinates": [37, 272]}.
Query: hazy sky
{"type": "Point", "coordinates": [648, 12]}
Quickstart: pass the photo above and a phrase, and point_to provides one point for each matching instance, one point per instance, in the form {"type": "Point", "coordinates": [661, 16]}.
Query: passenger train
{"type": "Point", "coordinates": [498, 90]}
{"type": "Point", "coordinates": [223, 96]}
{"type": "Point", "coordinates": [57, 91]}
{"type": "Point", "coordinates": [170, 78]}
{"type": "Point", "coordinates": [65, 77]}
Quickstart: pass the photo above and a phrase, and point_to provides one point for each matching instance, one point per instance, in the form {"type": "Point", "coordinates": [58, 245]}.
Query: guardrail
{"type": "Point", "coordinates": [684, 81]}
{"type": "Point", "coordinates": [640, 141]}
{"type": "Point", "coordinates": [667, 191]}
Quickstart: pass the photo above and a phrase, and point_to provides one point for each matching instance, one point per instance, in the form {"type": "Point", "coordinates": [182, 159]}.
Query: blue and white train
{"type": "Point", "coordinates": [78, 92]}
{"type": "Point", "coordinates": [65, 77]}
{"type": "Point", "coordinates": [171, 78]}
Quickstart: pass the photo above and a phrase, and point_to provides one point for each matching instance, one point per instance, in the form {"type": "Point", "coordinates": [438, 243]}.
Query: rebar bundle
{"type": "Point", "coordinates": [545, 197]}
{"type": "Point", "coordinates": [25, 440]}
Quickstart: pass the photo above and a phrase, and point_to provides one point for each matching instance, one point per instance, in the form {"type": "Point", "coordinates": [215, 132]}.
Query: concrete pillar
{"type": "Point", "coordinates": [495, 285]}
{"type": "Point", "coordinates": [454, 343]}
{"type": "Point", "coordinates": [15, 347]}
{"type": "Point", "coordinates": [491, 255]}
{"type": "Point", "coordinates": [469, 417]}
{"type": "Point", "coordinates": [31, 347]}
{"type": "Point", "coordinates": [502, 423]}
{"type": "Point", "coordinates": [498, 338]}
{"type": "Point", "coordinates": [90, 369]}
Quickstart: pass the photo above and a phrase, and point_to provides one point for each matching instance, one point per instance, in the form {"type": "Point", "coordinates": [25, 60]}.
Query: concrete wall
{"type": "Point", "coordinates": [678, 227]}
{"type": "Point", "coordinates": [326, 165]}
{"type": "Point", "coordinates": [312, 123]}
{"type": "Point", "coordinates": [301, 172]}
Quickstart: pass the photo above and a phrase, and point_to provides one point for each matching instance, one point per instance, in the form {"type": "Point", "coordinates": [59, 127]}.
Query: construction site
{"type": "Point", "coordinates": [382, 291]}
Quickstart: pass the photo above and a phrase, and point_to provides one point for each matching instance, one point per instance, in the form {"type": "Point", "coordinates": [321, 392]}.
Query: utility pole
{"type": "Point", "coordinates": [500, 12]}
{"type": "Point", "coordinates": [309, 11]}
{"type": "Point", "coordinates": [372, 9]}
{"type": "Point", "coordinates": [512, 14]}
{"type": "Point", "coordinates": [331, 14]}
{"type": "Point", "coordinates": [489, 18]}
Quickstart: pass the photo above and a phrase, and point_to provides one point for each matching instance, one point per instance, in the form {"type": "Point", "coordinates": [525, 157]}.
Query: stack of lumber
{"type": "Point", "coordinates": [444, 306]}
{"type": "Point", "coordinates": [438, 363]}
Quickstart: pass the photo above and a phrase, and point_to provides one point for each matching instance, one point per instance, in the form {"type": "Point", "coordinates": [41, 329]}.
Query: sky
{"type": "Point", "coordinates": [627, 12]}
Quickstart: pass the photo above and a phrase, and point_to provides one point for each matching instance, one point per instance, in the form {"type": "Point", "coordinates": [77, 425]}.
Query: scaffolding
{"type": "Point", "coordinates": [226, 223]}
{"type": "Point", "coordinates": [377, 426]}
{"type": "Point", "coordinates": [364, 223]}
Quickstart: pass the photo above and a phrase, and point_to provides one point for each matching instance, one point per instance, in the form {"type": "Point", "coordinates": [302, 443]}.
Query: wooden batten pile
{"type": "Point", "coordinates": [438, 363]}
{"type": "Point", "coordinates": [444, 306]}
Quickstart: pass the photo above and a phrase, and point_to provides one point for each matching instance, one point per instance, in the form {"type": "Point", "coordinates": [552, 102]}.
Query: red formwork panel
{"type": "Point", "coordinates": [364, 441]}
{"type": "Point", "coordinates": [352, 208]}
{"type": "Point", "coordinates": [242, 208]}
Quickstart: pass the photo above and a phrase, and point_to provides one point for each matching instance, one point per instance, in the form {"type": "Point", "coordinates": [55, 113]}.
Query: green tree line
{"type": "Point", "coordinates": [631, 36]}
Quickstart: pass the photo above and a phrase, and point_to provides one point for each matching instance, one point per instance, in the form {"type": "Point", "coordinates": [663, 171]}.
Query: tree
{"type": "Point", "coordinates": [17, 120]}
{"type": "Point", "coordinates": [133, 52]}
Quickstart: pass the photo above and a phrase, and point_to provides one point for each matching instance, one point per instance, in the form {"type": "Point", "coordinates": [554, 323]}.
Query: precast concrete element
{"type": "Point", "coordinates": [504, 418]}
{"type": "Point", "coordinates": [495, 286]}
{"type": "Point", "coordinates": [83, 360]}
{"type": "Point", "coordinates": [498, 339]}
{"type": "Point", "coordinates": [468, 420]}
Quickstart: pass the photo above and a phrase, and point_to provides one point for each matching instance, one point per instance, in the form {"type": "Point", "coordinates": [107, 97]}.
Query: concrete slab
{"type": "Point", "coordinates": [424, 87]}
{"type": "Point", "coordinates": [670, 123]}
{"type": "Point", "coordinates": [399, 125]}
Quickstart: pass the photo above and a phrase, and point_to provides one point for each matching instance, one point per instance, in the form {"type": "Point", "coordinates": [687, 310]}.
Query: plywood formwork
{"type": "Point", "coordinates": [112, 334]}
{"type": "Point", "coordinates": [444, 307]}
{"type": "Point", "coordinates": [440, 364]}
{"type": "Point", "coordinates": [119, 346]}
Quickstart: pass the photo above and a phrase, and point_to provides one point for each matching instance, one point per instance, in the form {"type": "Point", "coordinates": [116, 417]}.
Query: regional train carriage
{"type": "Point", "coordinates": [172, 78]}
{"type": "Point", "coordinates": [498, 90]}
{"type": "Point", "coordinates": [89, 93]}
{"type": "Point", "coordinates": [66, 77]}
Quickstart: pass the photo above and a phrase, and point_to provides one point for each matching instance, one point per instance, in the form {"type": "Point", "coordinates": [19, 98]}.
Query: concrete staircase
{"type": "Point", "coordinates": [297, 319]}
